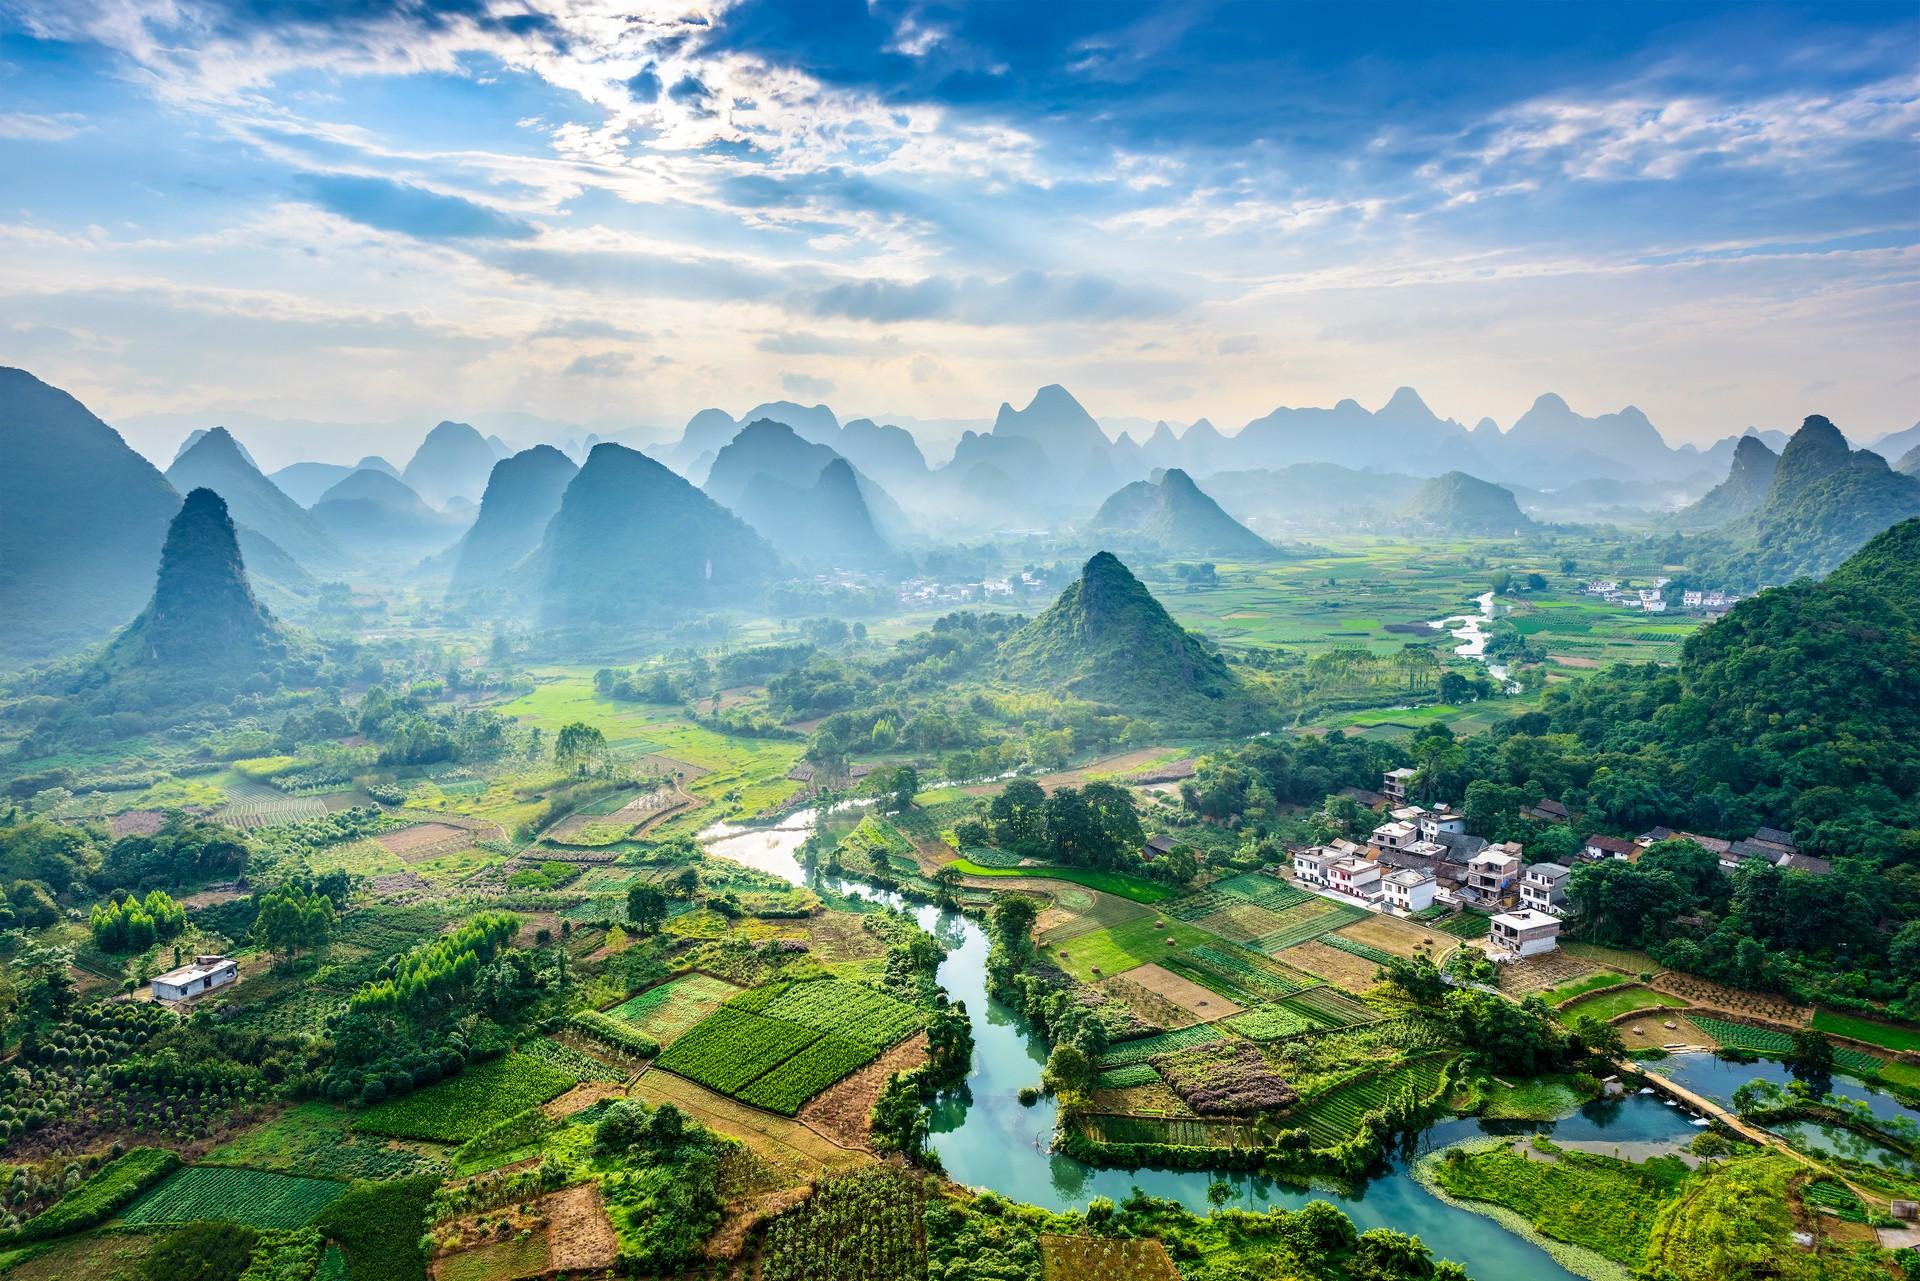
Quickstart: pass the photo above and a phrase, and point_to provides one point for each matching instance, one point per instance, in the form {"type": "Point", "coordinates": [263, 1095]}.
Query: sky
{"type": "Point", "coordinates": [621, 212]}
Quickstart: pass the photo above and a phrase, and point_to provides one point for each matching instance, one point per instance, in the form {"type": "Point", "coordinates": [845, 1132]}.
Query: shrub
{"type": "Point", "coordinates": [110, 1190]}
{"type": "Point", "coordinates": [378, 1225]}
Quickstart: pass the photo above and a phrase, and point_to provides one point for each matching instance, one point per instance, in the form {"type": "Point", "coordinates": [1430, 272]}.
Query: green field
{"type": "Point", "coordinates": [318, 1139]}
{"type": "Point", "coordinates": [1119, 948]}
{"type": "Point", "coordinates": [835, 1008]}
{"type": "Point", "coordinates": [1139, 1050]}
{"type": "Point", "coordinates": [1611, 1005]}
{"type": "Point", "coordinates": [454, 1111]}
{"type": "Point", "coordinates": [1333, 1118]}
{"type": "Point", "coordinates": [1129, 887]}
{"type": "Point", "coordinates": [1884, 1035]}
{"type": "Point", "coordinates": [256, 1198]}
{"type": "Point", "coordinates": [666, 1011]}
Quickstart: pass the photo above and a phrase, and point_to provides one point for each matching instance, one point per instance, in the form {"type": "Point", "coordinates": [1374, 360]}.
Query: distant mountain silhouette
{"type": "Point", "coordinates": [814, 423]}
{"type": "Point", "coordinates": [82, 517]}
{"type": "Point", "coordinates": [768, 447]}
{"type": "Point", "coordinates": [382, 519]}
{"type": "Point", "coordinates": [218, 462]}
{"type": "Point", "coordinates": [887, 454]}
{"type": "Point", "coordinates": [1746, 487]}
{"type": "Point", "coordinates": [824, 525]}
{"type": "Point", "coordinates": [1909, 464]}
{"type": "Point", "coordinates": [454, 459]}
{"type": "Point", "coordinates": [1457, 503]}
{"type": "Point", "coordinates": [1172, 515]}
{"type": "Point", "coordinates": [632, 536]}
{"type": "Point", "coordinates": [1106, 638]}
{"type": "Point", "coordinates": [522, 496]}
{"type": "Point", "coordinates": [203, 630]}
{"type": "Point", "coordinates": [1057, 423]}
{"type": "Point", "coordinates": [199, 434]}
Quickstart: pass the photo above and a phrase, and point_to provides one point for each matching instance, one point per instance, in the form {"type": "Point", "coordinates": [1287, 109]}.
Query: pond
{"type": "Point", "coordinates": [987, 1139]}
{"type": "Point", "coordinates": [1717, 1079]}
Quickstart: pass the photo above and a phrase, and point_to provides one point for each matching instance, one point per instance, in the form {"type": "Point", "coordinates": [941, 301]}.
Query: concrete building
{"type": "Point", "coordinates": [1395, 835]}
{"type": "Point", "coordinates": [1544, 888]}
{"type": "Point", "coordinates": [205, 974]}
{"type": "Point", "coordinates": [1355, 876]}
{"type": "Point", "coordinates": [1493, 873]}
{"type": "Point", "coordinates": [1525, 933]}
{"type": "Point", "coordinates": [1408, 889]}
{"type": "Point", "coordinates": [1394, 784]}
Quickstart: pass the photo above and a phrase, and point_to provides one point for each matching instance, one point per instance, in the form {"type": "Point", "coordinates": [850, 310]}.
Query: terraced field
{"type": "Point", "coordinates": [1335, 1117]}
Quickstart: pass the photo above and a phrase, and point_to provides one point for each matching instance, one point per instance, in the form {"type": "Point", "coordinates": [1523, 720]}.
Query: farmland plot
{"type": "Point", "coordinates": [454, 1111]}
{"type": "Point", "coordinates": [730, 1048]}
{"type": "Point", "coordinates": [1305, 921]}
{"type": "Point", "coordinates": [1334, 1117]}
{"type": "Point", "coordinates": [1401, 938]}
{"type": "Point", "coordinates": [1139, 1050]}
{"type": "Point", "coordinates": [839, 1008]}
{"type": "Point", "coordinates": [1731, 1000]}
{"type": "Point", "coordinates": [255, 1198]}
{"type": "Point", "coordinates": [1131, 1259]}
{"type": "Point", "coordinates": [1195, 1002]}
{"type": "Point", "coordinates": [423, 842]}
{"type": "Point", "coordinates": [1355, 973]}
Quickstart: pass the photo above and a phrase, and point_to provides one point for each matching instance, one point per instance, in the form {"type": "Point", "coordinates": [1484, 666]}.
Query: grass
{"type": "Point", "coordinates": [255, 1198]}
{"type": "Point", "coordinates": [1140, 1049]}
{"type": "Point", "coordinates": [730, 1049]}
{"type": "Point", "coordinates": [318, 1139]}
{"type": "Point", "coordinates": [496, 1261]}
{"type": "Point", "coordinates": [454, 1111]}
{"type": "Point", "coordinates": [1855, 1028]}
{"type": "Point", "coordinates": [1119, 948]}
{"type": "Point", "coordinates": [1128, 887]}
{"type": "Point", "coordinates": [1608, 1006]}
{"type": "Point", "coordinates": [1581, 1198]}
{"type": "Point", "coordinates": [1543, 1098]}
{"type": "Point", "coordinates": [1579, 987]}
{"type": "Point", "coordinates": [378, 1227]}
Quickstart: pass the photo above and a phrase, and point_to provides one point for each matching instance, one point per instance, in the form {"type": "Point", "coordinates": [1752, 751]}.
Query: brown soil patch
{"type": "Point", "coordinates": [1731, 1000]}
{"type": "Point", "coordinates": [531, 923]}
{"type": "Point", "coordinates": [579, 1237]}
{"type": "Point", "coordinates": [1402, 938]}
{"type": "Point", "coordinates": [1573, 660]}
{"type": "Point", "coordinates": [1122, 1259]}
{"type": "Point", "coordinates": [841, 1111]}
{"type": "Point", "coordinates": [744, 1216]}
{"type": "Point", "coordinates": [580, 1098]}
{"type": "Point", "coordinates": [794, 1153]}
{"type": "Point", "coordinates": [212, 896]}
{"type": "Point", "coordinates": [1650, 1031]}
{"type": "Point", "coordinates": [1343, 969]}
{"type": "Point", "coordinates": [424, 841]}
{"type": "Point", "coordinates": [1201, 1004]}
{"type": "Point", "coordinates": [135, 823]}
{"type": "Point", "coordinates": [1532, 974]}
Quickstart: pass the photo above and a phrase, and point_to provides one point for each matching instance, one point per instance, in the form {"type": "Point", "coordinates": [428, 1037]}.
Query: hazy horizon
{"type": "Point", "coordinates": [378, 216]}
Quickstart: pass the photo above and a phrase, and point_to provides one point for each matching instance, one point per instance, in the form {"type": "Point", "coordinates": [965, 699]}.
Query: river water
{"type": "Point", "coordinates": [987, 1139]}
{"type": "Point", "coordinates": [1471, 631]}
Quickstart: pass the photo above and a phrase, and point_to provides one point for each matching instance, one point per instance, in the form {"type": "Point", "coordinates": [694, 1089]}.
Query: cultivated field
{"type": "Point", "coordinates": [1355, 973]}
{"type": "Point", "coordinates": [666, 1011]}
{"type": "Point", "coordinates": [795, 1152]}
{"type": "Point", "coordinates": [1176, 1001]}
{"type": "Point", "coordinates": [1694, 990]}
{"type": "Point", "coordinates": [1401, 938]}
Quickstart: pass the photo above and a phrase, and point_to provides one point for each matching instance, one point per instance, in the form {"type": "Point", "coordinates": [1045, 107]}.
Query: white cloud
{"type": "Point", "coordinates": [38, 128]}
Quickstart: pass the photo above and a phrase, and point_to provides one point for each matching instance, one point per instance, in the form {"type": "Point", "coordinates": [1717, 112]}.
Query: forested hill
{"type": "Point", "coordinates": [1175, 517]}
{"type": "Point", "coordinates": [1107, 638]}
{"type": "Point", "coordinates": [1799, 709]}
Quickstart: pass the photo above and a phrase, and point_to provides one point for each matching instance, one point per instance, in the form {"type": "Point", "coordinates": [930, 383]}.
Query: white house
{"type": "Point", "coordinates": [1310, 865]}
{"type": "Point", "coordinates": [1408, 889]}
{"type": "Point", "coordinates": [1395, 836]}
{"type": "Point", "coordinates": [1355, 876]}
{"type": "Point", "coordinates": [1525, 932]}
{"type": "Point", "coordinates": [1394, 784]}
{"type": "Point", "coordinates": [205, 974]}
{"type": "Point", "coordinates": [1544, 888]}
{"type": "Point", "coordinates": [1441, 820]}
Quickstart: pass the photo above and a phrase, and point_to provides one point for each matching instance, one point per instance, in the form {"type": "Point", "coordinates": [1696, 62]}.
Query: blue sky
{"type": "Point", "coordinates": [622, 212]}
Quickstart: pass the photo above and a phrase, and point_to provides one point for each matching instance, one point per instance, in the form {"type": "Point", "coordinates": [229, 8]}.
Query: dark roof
{"type": "Point", "coordinates": [1611, 844]}
{"type": "Point", "coordinates": [1547, 805]}
{"type": "Point", "coordinates": [1654, 835]}
{"type": "Point", "coordinates": [1461, 846]}
{"type": "Point", "coordinates": [1807, 863]}
{"type": "Point", "coordinates": [1756, 850]}
{"type": "Point", "coordinates": [1400, 858]}
{"type": "Point", "coordinates": [1774, 836]}
{"type": "Point", "coordinates": [1372, 800]}
{"type": "Point", "coordinates": [1161, 844]}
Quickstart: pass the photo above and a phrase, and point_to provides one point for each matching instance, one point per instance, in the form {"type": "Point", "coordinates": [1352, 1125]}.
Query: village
{"type": "Point", "coordinates": [1424, 863]}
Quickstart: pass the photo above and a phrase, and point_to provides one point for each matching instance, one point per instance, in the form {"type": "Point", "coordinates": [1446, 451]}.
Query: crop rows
{"type": "Point", "coordinates": [1763, 1040]}
{"type": "Point", "coordinates": [1334, 1118]}
{"type": "Point", "coordinates": [868, 1226]}
{"type": "Point", "coordinates": [1262, 890]}
{"type": "Point", "coordinates": [730, 1048]}
{"type": "Point", "coordinates": [1273, 1022]}
{"type": "Point", "coordinates": [838, 1008]}
{"type": "Point", "coordinates": [807, 1073]}
{"type": "Point", "coordinates": [454, 1111]}
{"type": "Point", "coordinates": [564, 1058]}
{"type": "Point", "coordinates": [1305, 921]}
{"type": "Point", "coordinates": [669, 1009]}
{"type": "Point", "coordinates": [1465, 925]}
{"type": "Point", "coordinates": [1354, 947]}
{"type": "Point", "coordinates": [1330, 1008]}
{"type": "Point", "coordinates": [269, 812]}
{"type": "Point", "coordinates": [1837, 1199]}
{"type": "Point", "coordinates": [1128, 1077]}
{"type": "Point", "coordinates": [1143, 1048]}
{"type": "Point", "coordinates": [256, 1198]}
{"type": "Point", "coordinates": [1252, 969]}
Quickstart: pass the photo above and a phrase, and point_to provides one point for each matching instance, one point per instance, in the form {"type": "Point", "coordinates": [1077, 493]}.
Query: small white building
{"type": "Point", "coordinates": [205, 974]}
{"type": "Point", "coordinates": [1439, 821]}
{"type": "Point", "coordinates": [1310, 865]}
{"type": "Point", "coordinates": [1395, 835]}
{"type": "Point", "coordinates": [1408, 889]}
{"type": "Point", "coordinates": [1526, 932]}
{"type": "Point", "coordinates": [1394, 783]}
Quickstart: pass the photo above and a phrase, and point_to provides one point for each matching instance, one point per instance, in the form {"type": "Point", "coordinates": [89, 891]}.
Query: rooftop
{"type": "Point", "coordinates": [202, 967]}
{"type": "Point", "coordinates": [1525, 919]}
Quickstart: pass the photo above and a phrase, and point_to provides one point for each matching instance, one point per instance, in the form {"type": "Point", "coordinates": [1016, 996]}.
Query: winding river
{"type": "Point", "coordinates": [987, 1139]}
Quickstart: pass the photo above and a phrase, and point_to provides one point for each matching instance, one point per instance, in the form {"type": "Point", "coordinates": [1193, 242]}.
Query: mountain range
{"type": "Point", "coordinates": [218, 462]}
{"type": "Point", "coordinates": [523, 493]}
